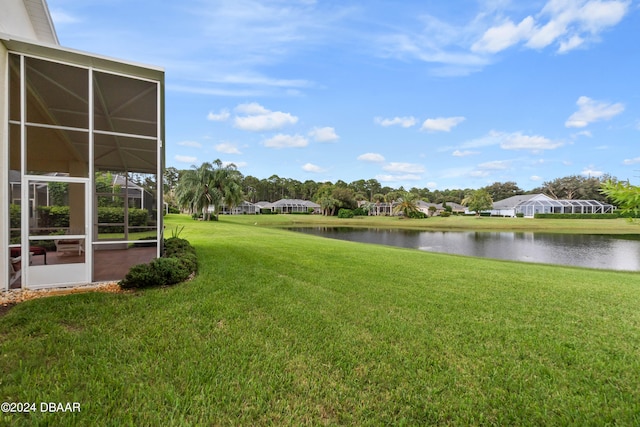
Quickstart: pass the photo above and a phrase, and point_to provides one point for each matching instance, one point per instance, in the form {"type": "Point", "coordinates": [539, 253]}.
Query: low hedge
{"type": "Point", "coordinates": [576, 216]}
{"type": "Point", "coordinates": [178, 262]}
{"type": "Point", "coordinates": [345, 213]}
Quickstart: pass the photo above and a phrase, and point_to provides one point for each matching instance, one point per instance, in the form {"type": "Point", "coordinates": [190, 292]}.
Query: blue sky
{"type": "Point", "coordinates": [431, 93]}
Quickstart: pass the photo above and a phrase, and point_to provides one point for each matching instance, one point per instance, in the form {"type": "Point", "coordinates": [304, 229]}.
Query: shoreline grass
{"type": "Point", "coordinates": [452, 223]}
{"type": "Point", "coordinates": [289, 329]}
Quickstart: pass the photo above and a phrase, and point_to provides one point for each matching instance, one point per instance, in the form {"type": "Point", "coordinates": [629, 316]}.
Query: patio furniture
{"type": "Point", "coordinates": [70, 245]}
{"type": "Point", "coordinates": [33, 250]}
{"type": "Point", "coordinates": [15, 269]}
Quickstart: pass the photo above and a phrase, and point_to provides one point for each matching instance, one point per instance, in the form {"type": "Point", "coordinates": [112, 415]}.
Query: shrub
{"type": "Point", "coordinates": [177, 263]}
{"type": "Point", "coordinates": [160, 271]}
{"type": "Point", "coordinates": [576, 216]}
{"type": "Point", "coordinates": [360, 212]}
{"type": "Point", "coordinates": [417, 215]}
{"type": "Point", "coordinates": [345, 213]}
{"type": "Point", "coordinates": [519, 215]}
{"type": "Point", "coordinates": [445, 214]}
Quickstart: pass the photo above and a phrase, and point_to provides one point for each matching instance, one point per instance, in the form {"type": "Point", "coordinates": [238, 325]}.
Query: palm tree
{"type": "Point", "coordinates": [193, 191]}
{"type": "Point", "coordinates": [227, 181]}
{"type": "Point", "coordinates": [406, 204]}
{"type": "Point", "coordinates": [209, 185]}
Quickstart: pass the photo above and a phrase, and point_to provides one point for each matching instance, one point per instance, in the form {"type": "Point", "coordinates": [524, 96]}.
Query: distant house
{"type": "Point", "coordinates": [137, 197]}
{"type": "Point", "coordinates": [530, 204]}
{"type": "Point", "coordinates": [244, 208]}
{"type": "Point", "coordinates": [425, 208]}
{"type": "Point", "coordinates": [290, 206]}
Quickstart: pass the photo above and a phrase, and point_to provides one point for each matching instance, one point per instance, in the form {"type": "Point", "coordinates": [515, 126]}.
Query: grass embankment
{"type": "Point", "coordinates": [454, 223]}
{"type": "Point", "coordinates": [286, 328]}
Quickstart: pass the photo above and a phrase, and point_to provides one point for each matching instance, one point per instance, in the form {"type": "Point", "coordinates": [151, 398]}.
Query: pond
{"type": "Point", "coordinates": [616, 252]}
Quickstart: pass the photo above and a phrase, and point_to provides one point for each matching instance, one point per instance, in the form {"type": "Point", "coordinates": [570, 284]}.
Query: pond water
{"type": "Point", "coordinates": [616, 252]}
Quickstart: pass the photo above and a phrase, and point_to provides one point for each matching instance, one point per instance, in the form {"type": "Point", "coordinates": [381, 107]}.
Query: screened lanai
{"type": "Point", "coordinates": [75, 121]}
{"type": "Point", "coordinates": [293, 205]}
{"type": "Point", "coordinates": [550, 206]}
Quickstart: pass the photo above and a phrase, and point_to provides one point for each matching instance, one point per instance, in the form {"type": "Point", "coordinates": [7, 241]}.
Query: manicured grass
{"type": "Point", "coordinates": [580, 226]}
{"type": "Point", "coordinates": [284, 328]}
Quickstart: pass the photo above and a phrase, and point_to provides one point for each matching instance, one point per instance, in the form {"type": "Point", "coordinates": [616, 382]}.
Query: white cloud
{"type": "Point", "coordinates": [251, 108]}
{"type": "Point", "coordinates": [325, 134]}
{"type": "Point", "coordinates": [495, 165]}
{"type": "Point", "coordinates": [236, 164]}
{"type": "Point", "coordinates": [590, 111]}
{"type": "Point", "coordinates": [310, 167]}
{"type": "Point", "coordinates": [535, 178]}
{"type": "Point", "coordinates": [432, 185]}
{"type": "Point", "coordinates": [60, 17]}
{"type": "Point", "coordinates": [465, 153]}
{"type": "Point", "coordinates": [633, 161]}
{"type": "Point", "coordinates": [185, 159]}
{"type": "Point", "coordinates": [398, 178]}
{"type": "Point", "coordinates": [590, 172]}
{"type": "Point", "coordinates": [568, 23]}
{"type": "Point", "coordinates": [398, 167]}
{"type": "Point", "coordinates": [514, 141]}
{"type": "Point", "coordinates": [518, 141]}
{"type": "Point", "coordinates": [570, 44]}
{"type": "Point", "coordinates": [371, 157]}
{"type": "Point", "coordinates": [286, 141]}
{"type": "Point", "coordinates": [192, 144]}
{"type": "Point", "coordinates": [504, 36]}
{"type": "Point", "coordinates": [585, 133]}
{"type": "Point", "coordinates": [258, 118]}
{"type": "Point", "coordinates": [227, 148]}
{"type": "Point", "coordinates": [441, 124]}
{"type": "Point", "coordinates": [405, 122]}
{"type": "Point", "coordinates": [222, 116]}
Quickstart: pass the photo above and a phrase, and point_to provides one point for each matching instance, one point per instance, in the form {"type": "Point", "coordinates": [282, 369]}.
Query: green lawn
{"type": "Point", "coordinates": [581, 226]}
{"type": "Point", "coordinates": [283, 328]}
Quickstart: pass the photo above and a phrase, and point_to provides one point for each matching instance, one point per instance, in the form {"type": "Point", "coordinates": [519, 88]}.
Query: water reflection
{"type": "Point", "coordinates": [584, 250]}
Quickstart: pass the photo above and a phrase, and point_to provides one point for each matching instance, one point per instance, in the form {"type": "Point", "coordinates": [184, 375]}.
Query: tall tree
{"type": "Point", "coordinates": [478, 201]}
{"type": "Point", "coordinates": [193, 189]}
{"type": "Point", "coordinates": [503, 190]}
{"type": "Point", "coordinates": [574, 187]}
{"type": "Point", "coordinates": [226, 187]}
{"type": "Point", "coordinates": [210, 184]}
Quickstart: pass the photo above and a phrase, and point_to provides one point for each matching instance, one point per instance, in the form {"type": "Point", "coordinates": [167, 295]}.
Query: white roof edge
{"type": "Point", "coordinates": [54, 34]}
{"type": "Point", "coordinates": [79, 57]}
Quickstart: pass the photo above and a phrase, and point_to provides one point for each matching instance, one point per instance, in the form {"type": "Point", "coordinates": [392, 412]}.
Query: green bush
{"type": "Point", "coordinates": [360, 212]}
{"type": "Point", "coordinates": [445, 214]}
{"type": "Point", "coordinates": [160, 271]}
{"type": "Point", "coordinates": [519, 215]}
{"type": "Point", "coordinates": [576, 216]}
{"type": "Point", "coordinates": [177, 263]}
{"type": "Point", "coordinates": [417, 215]}
{"type": "Point", "coordinates": [345, 213]}
{"type": "Point", "coordinates": [53, 216]}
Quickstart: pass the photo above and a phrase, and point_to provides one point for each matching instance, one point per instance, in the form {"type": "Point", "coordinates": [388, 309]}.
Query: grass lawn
{"type": "Point", "coordinates": [285, 328]}
{"type": "Point", "coordinates": [581, 226]}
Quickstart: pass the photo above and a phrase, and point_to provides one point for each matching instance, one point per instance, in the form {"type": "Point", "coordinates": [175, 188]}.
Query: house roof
{"type": "Point", "coordinates": [41, 20]}
{"type": "Point", "coordinates": [293, 202]}
{"type": "Point", "coordinates": [513, 201]}
{"type": "Point", "coordinates": [29, 19]}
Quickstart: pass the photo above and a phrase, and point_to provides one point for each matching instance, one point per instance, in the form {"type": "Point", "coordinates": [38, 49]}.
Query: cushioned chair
{"type": "Point", "coordinates": [70, 245]}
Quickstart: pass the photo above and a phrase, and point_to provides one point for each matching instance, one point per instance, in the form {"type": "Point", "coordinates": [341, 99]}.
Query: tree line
{"type": "Point", "coordinates": [216, 184]}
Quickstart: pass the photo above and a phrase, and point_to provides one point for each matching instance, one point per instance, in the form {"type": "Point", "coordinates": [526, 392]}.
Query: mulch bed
{"type": "Point", "coordinates": [9, 299]}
